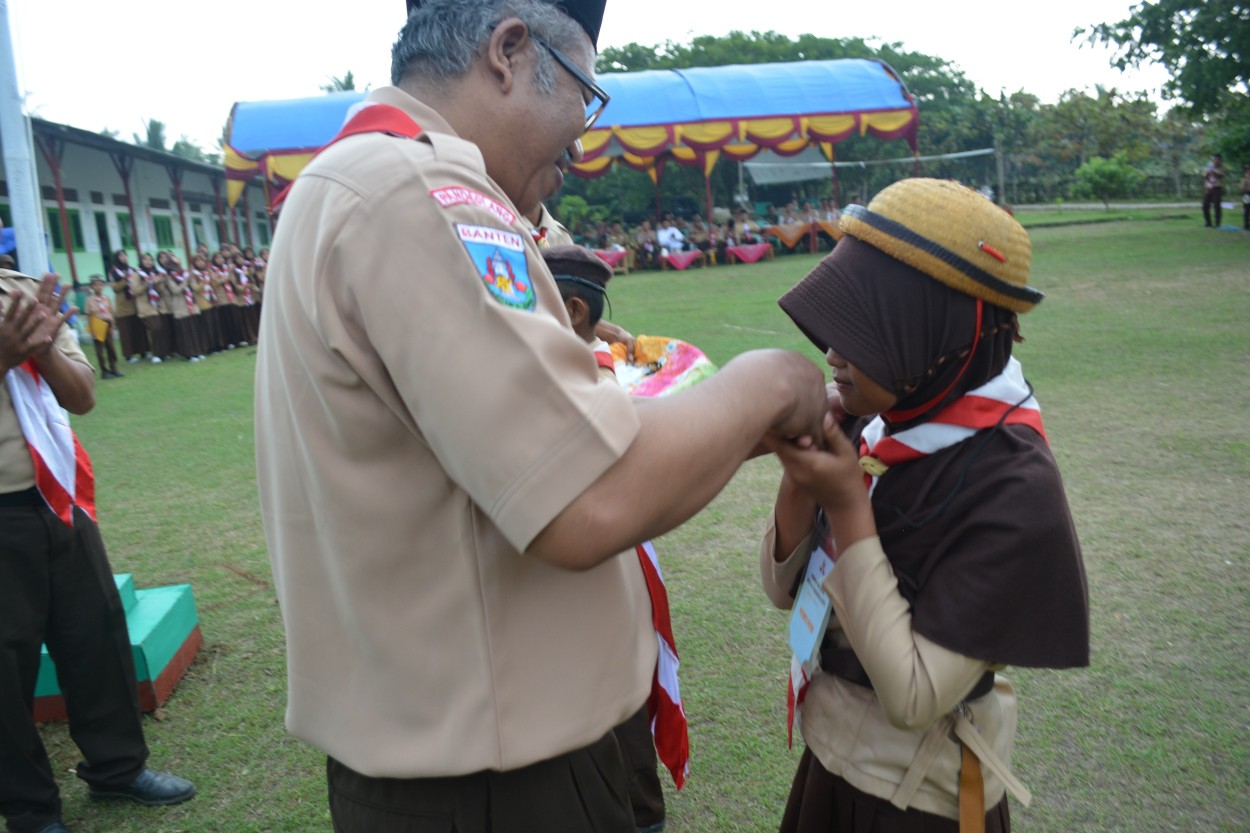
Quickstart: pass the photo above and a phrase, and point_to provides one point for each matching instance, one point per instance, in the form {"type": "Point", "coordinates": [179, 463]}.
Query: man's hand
{"type": "Point", "coordinates": [28, 326]}
{"type": "Point", "coordinates": [804, 388]}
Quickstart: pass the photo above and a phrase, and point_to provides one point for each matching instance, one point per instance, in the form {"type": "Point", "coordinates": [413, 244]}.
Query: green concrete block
{"type": "Point", "coordinates": [159, 620]}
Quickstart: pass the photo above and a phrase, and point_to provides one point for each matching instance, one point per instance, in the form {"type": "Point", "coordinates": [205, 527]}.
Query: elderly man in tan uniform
{"type": "Point", "coordinates": [446, 482]}
{"type": "Point", "coordinates": [55, 582]}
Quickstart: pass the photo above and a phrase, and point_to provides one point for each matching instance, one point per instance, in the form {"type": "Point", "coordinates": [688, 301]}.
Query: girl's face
{"type": "Point", "coordinates": [123, 259]}
{"type": "Point", "coordinates": [197, 263]}
{"type": "Point", "coordinates": [145, 262]}
{"type": "Point", "coordinates": [860, 395]}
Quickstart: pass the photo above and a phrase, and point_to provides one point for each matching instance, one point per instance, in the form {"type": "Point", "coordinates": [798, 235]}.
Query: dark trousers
{"type": "Point", "coordinates": [1245, 211]}
{"type": "Point", "coordinates": [646, 794]}
{"type": "Point", "coordinates": [56, 587]}
{"type": "Point", "coordinates": [1212, 197]}
{"type": "Point", "coordinates": [582, 791]}
{"type": "Point", "coordinates": [105, 355]}
{"type": "Point", "coordinates": [158, 334]}
{"type": "Point", "coordinates": [134, 336]}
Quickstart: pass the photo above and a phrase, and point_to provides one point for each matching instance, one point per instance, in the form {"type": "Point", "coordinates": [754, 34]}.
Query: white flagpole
{"type": "Point", "coordinates": [19, 160]}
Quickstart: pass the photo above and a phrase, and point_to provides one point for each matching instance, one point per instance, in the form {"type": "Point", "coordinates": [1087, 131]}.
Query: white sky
{"type": "Point", "coordinates": [112, 64]}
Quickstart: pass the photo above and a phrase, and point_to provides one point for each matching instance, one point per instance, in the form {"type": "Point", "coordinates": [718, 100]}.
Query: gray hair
{"type": "Point", "coordinates": [443, 37]}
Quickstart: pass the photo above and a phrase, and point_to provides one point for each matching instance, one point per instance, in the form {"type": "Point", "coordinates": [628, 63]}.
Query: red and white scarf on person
{"type": "Point", "coordinates": [1006, 398]}
{"type": "Point", "coordinates": [154, 295]}
{"type": "Point", "coordinates": [245, 286]}
{"type": "Point", "coordinates": [62, 468]}
{"type": "Point", "coordinates": [229, 292]}
{"type": "Point", "coordinates": [188, 295]}
{"type": "Point", "coordinates": [664, 706]}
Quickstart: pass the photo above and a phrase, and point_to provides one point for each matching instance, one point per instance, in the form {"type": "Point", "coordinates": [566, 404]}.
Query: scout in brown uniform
{"type": "Point", "coordinates": [144, 285]}
{"type": "Point", "coordinates": [934, 536]}
{"type": "Point", "coordinates": [133, 337]}
{"type": "Point", "coordinates": [100, 321]}
{"type": "Point", "coordinates": [55, 583]}
{"type": "Point", "coordinates": [179, 299]}
{"type": "Point", "coordinates": [205, 301]}
{"type": "Point", "coordinates": [446, 483]}
{"type": "Point", "coordinates": [582, 278]}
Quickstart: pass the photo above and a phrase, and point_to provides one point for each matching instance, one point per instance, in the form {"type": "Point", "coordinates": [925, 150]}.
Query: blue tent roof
{"type": "Point", "coordinates": [259, 127]}
{"type": "Point", "coordinates": [744, 91]}
{"type": "Point", "coordinates": [652, 97]}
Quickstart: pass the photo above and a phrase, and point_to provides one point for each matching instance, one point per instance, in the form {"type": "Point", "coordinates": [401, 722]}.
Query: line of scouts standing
{"type": "Point", "coordinates": [162, 309]}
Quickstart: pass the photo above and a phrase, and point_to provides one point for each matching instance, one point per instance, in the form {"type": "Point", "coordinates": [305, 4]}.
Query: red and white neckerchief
{"type": "Point", "coordinates": [188, 294]}
{"type": "Point", "coordinates": [1007, 394]}
{"type": "Point", "coordinates": [62, 468]}
{"type": "Point", "coordinates": [245, 285]}
{"type": "Point", "coordinates": [206, 286]}
{"type": "Point", "coordinates": [124, 276]}
{"type": "Point", "coordinates": [229, 292]}
{"type": "Point", "coordinates": [1006, 398]}
{"type": "Point", "coordinates": [664, 706]}
{"type": "Point", "coordinates": [154, 295]}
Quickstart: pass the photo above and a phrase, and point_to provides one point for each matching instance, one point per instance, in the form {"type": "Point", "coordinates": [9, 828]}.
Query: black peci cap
{"type": "Point", "coordinates": [589, 13]}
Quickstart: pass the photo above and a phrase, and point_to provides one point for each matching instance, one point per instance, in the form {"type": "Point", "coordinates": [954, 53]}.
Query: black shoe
{"type": "Point", "coordinates": [151, 788]}
{"type": "Point", "coordinates": [117, 374]}
{"type": "Point", "coordinates": [54, 827]}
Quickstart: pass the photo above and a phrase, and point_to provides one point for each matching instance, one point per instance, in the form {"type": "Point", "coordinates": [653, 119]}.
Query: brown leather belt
{"type": "Point", "coordinates": [843, 663]}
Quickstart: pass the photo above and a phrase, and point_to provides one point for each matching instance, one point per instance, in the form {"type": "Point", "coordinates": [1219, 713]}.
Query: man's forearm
{"type": "Point", "coordinates": [72, 382]}
{"type": "Point", "coordinates": [687, 449]}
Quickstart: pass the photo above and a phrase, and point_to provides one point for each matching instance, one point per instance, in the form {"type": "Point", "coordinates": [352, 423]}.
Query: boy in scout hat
{"type": "Point", "coordinates": [931, 532]}
{"type": "Point", "coordinates": [582, 277]}
{"type": "Point", "coordinates": [451, 494]}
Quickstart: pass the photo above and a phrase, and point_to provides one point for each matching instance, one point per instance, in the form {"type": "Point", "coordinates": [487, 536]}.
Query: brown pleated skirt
{"type": "Point", "coordinates": [820, 802]}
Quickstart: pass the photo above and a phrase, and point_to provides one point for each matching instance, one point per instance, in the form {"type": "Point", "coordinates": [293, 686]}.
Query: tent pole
{"type": "Point", "coordinates": [707, 192]}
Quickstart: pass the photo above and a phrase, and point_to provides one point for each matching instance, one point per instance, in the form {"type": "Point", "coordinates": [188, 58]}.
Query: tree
{"type": "Point", "coordinates": [188, 149]}
{"type": "Point", "coordinates": [1106, 179]}
{"type": "Point", "coordinates": [340, 85]}
{"type": "Point", "coordinates": [154, 135]}
{"type": "Point", "coordinates": [1203, 44]}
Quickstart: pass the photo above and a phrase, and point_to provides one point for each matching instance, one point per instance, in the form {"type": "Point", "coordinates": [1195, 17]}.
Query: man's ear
{"type": "Point", "coordinates": [578, 311]}
{"type": "Point", "coordinates": [507, 40]}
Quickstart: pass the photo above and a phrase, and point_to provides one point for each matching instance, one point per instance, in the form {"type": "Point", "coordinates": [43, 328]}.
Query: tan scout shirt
{"type": "Point", "coordinates": [17, 472]}
{"type": "Point", "coordinates": [851, 731]}
{"type": "Point", "coordinates": [413, 435]}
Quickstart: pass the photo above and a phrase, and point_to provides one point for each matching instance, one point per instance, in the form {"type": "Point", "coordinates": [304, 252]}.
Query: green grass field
{"type": "Point", "coordinates": [1139, 356]}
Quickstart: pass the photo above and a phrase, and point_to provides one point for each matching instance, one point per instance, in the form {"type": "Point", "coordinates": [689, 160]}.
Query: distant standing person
{"type": "Point", "coordinates": [100, 322]}
{"type": "Point", "coordinates": [1214, 194]}
{"type": "Point", "coordinates": [1245, 196]}
{"type": "Point", "coordinates": [134, 337]}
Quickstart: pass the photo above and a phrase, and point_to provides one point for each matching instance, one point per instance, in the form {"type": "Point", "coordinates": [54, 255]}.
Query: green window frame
{"type": "Point", "coordinates": [123, 231]}
{"type": "Point", "coordinates": [56, 232]}
{"type": "Point", "coordinates": [197, 231]}
{"type": "Point", "coordinates": [262, 232]}
{"type": "Point", "coordinates": [163, 228]}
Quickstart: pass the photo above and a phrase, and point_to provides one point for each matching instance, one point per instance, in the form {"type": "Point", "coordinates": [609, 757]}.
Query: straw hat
{"type": "Point", "coordinates": [951, 233]}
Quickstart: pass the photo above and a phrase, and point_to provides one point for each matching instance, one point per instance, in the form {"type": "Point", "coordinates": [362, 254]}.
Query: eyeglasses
{"type": "Point", "coordinates": [596, 92]}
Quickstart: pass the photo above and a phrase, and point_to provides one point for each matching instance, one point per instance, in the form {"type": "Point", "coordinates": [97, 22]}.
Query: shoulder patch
{"type": "Point", "coordinates": [498, 255]}
{"type": "Point", "coordinates": [459, 195]}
